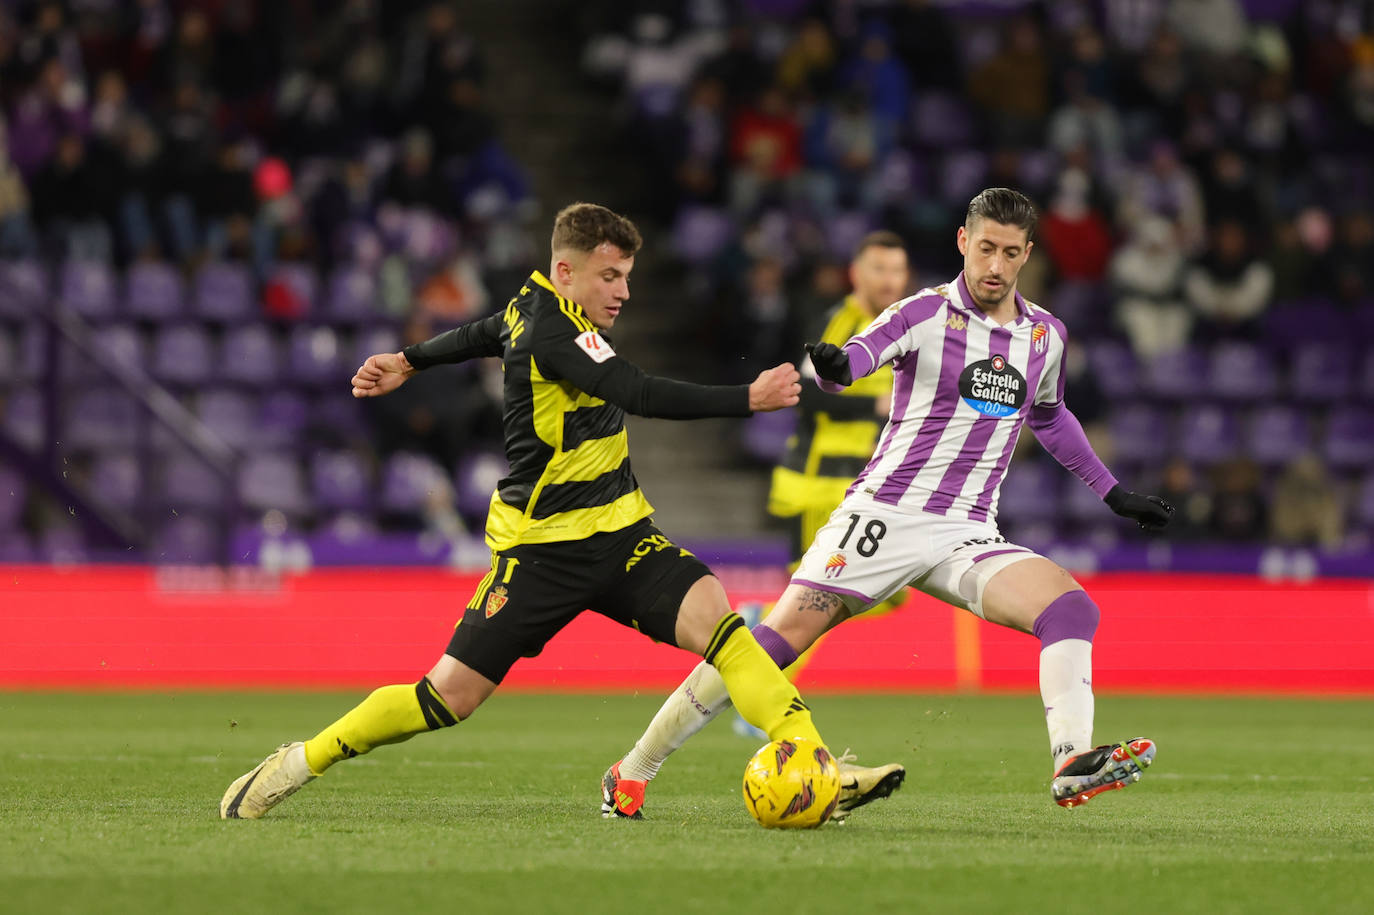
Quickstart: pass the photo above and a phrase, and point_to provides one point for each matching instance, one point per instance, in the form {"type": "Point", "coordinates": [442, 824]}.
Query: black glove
{"type": "Point", "coordinates": [1152, 512]}
{"type": "Point", "coordinates": [831, 362]}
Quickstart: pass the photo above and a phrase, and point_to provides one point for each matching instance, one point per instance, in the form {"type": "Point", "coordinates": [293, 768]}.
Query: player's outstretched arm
{"type": "Point", "coordinates": [1151, 512]}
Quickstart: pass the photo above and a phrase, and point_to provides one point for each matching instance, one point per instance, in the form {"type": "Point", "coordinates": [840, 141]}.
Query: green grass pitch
{"type": "Point", "coordinates": [109, 802]}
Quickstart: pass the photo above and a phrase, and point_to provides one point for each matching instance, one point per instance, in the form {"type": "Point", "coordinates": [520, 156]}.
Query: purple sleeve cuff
{"type": "Point", "coordinates": [1061, 434]}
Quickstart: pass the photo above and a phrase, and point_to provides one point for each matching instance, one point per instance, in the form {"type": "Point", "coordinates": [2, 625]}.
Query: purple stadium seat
{"type": "Point", "coordinates": [1179, 375]}
{"type": "Point", "coordinates": [250, 356]}
{"type": "Point", "coordinates": [1321, 372]}
{"type": "Point", "coordinates": [273, 481]}
{"type": "Point", "coordinates": [182, 355]}
{"type": "Point", "coordinates": [231, 415]}
{"type": "Point", "coordinates": [186, 539]}
{"type": "Point", "coordinates": [1207, 434]}
{"type": "Point", "coordinates": [342, 416]}
{"type": "Point", "coordinates": [341, 481]}
{"type": "Point", "coordinates": [1081, 305]}
{"type": "Point", "coordinates": [1241, 372]}
{"type": "Point", "coordinates": [352, 296]}
{"type": "Point", "coordinates": [315, 358]}
{"type": "Point", "coordinates": [1115, 367]}
{"type": "Point", "coordinates": [1030, 492]}
{"type": "Point", "coordinates": [408, 480]}
{"type": "Point", "coordinates": [372, 341]}
{"type": "Point", "coordinates": [1140, 433]}
{"type": "Point", "coordinates": [1276, 434]}
{"type": "Point", "coordinates": [62, 545]}
{"type": "Point", "coordinates": [153, 291]}
{"type": "Point", "coordinates": [1349, 440]}
{"type": "Point", "coordinates": [224, 292]}
{"type": "Point", "coordinates": [766, 434]}
{"type": "Point", "coordinates": [87, 288]}
{"type": "Point", "coordinates": [24, 416]}
{"type": "Point", "coordinates": [1081, 505]}
{"type": "Point", "coordinates": [103, 417]}
{"type": "Point", "coordinates": [117, 479]}
{"type": "Point", "coordinates": [843, 232]}
{"type": "Point", "coordinates": [13, 494]}
{"type": "Point", "coordinates": [123, 342]}
{"type": "Point", "coordinates": [23, 288]}
{"type": "Point", "coordinates": [961, 175]}
{"type": "Point", "coordinates": [701, 232]}
{"type": "Point", "coordinates": [940, 120]}
{"type": "Point", "coordinates": [189, 483]}
{"type": "Point", "coordinates": [282, 420]}
{"type": "Point", "coordinates": [475, 479]}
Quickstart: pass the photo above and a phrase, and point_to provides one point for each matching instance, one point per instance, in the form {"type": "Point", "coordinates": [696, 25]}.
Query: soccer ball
{"type": "Point", "coordinates": [792, 784]}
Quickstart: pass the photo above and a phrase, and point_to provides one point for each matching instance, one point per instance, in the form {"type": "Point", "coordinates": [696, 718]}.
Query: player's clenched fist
{"type": "Point", "coordinates": [775, 388]}
{"type": "Point", "coordinates": [381, 374]}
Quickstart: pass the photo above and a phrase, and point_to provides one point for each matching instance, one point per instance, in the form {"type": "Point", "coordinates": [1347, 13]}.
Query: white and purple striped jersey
{"type": "Point", "coordinates": [962, 387]}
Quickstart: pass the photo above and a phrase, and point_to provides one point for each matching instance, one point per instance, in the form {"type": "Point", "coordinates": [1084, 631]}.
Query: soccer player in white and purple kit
{"type": "Point", "coordinates": [972, 361]}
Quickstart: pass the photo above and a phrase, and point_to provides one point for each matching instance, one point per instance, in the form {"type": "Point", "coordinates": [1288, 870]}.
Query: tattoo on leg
{"type": "Point", "coordinates": [821, 601]}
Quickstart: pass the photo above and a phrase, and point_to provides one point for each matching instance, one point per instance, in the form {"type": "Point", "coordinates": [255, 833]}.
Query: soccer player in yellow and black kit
{"type": "Point", "coordinates": [837, 433]}
{"type": "Point", "coordinates": [569, 528]}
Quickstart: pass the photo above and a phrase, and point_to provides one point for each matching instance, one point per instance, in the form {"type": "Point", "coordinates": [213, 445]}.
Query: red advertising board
{"type": "Point", "coordinates": [122, 627]}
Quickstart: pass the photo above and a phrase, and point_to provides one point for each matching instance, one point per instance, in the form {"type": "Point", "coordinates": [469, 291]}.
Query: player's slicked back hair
{"type": "Point", "coordinates": [1002, 204]}
{"type": "Point", "coordinates": [880, 239]}
{"type": "Point", "coordinates": [583, 226]}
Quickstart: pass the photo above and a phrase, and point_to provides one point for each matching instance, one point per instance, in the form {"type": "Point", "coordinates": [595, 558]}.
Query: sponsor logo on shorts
{"type": "Point", "coordinates": [1040, 336]}
{"type": "Point", "coordinates": [496, 600]}
{"type": "Point", "coordinates": [835, 565]}
{"type": "Point", "coordinates": [652, 544]}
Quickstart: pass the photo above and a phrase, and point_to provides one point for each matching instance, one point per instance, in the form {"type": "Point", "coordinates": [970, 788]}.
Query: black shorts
{"type": "Point", "coordinates": [636, 576]}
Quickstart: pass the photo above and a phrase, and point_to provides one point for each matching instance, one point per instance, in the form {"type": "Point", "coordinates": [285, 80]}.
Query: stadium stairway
{"type": "Point", "coordinates": [569, 136]}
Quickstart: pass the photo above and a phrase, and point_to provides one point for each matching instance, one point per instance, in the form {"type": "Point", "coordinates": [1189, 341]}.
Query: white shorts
{"type": "Point", "coordinates": [868, 551]}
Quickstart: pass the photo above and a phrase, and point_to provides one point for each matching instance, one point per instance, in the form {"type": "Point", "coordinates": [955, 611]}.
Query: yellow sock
{"type": "Point", "coordinates": [760, 691]}
{"type": "Point", "coordinates": [390, 714]}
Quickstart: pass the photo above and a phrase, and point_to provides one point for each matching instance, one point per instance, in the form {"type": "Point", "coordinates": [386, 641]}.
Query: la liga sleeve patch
{"type": "Point", "coordinates": [595, 346]}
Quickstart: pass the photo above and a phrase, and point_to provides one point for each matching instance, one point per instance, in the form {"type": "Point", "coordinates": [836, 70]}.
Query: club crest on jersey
{"type": "Point", "coordinates": [835, 565]}
{"type": "Point", "coordinates": [993, 387]}
{"type": "Point", "coordinates": [595, 346]}
{"type": "Point", "coordinates": [1040, 336]}
{"type": "Point", "coordinates": [956, 322]}
{"type": "Point", "coordinates": [496, 600]}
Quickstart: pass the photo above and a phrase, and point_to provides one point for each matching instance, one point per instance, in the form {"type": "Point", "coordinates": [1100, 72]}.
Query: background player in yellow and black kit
{"type": "Point", "coordinates": [569, 527]}
{"type": "Point", "coordinates": [836, 433]}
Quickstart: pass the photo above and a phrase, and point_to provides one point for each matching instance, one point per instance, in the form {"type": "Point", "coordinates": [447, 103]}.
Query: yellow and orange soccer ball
{"type": "Point", "coordinates": [792, 784]}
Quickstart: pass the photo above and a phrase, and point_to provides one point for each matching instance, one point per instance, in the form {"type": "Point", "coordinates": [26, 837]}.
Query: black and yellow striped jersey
{"type": "Point", "coordinates": [836, 433]}
{"type": "Point", "coordinates": [566, 395]}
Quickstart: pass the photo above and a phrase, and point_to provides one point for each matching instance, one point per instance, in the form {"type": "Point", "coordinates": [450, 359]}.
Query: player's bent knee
{"type": "Point", "coordinates": [462, 688]}
{"type": "Point", "coordinates": [701, 610]}
{"type": "Point", "coordinates": [1071, 615]}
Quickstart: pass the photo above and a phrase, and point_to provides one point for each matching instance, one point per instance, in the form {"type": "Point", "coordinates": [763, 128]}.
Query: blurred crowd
{"type": "Point", "coordinates": [1203, 168]}
{"type": "Point", "coordinates": [246, 130]}
{"type": "Point", "coordinates": [1204, 171]}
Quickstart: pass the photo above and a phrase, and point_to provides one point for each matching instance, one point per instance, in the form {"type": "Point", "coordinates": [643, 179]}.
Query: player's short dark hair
{"type": "Point", "coordinates": [1002, 204]}
{"type": "Point", "coordinates": [879, 239]}
{"type": "Point", "coordinates": [583, 226]}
